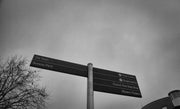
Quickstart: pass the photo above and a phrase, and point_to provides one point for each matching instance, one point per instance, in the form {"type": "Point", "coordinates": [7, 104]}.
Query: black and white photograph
{"type": "Point", "coordinates": [89, 54]}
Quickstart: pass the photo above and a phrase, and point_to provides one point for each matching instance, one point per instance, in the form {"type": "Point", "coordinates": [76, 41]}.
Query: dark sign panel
{"type": "Point", "coordinates": [104, 80]}
{"type": "Point", "coordinates": [58, 65]}
{"type": "Point", "coordinates": [116, 85]}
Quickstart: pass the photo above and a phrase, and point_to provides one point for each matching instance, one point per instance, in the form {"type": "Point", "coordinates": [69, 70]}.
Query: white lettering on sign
{"type": "Point", "coordinates": [130, 81]}
{"type": "Point", "coordinates": [120, 79]}
{"type": "Point", "coordinates": [115, 84]}
{"type": "Point", "coordinates": [43, 65]}
{"type": "Point", "coordinates": [44, 59]}
{"type": "Point", "coordinates": [37, 57]}
{"type": "Point", "coordinates": [126, 76]}
{"type": "Point", "coordinates": [130, 92]}
{"type": "Point", "coordinates": [127, 92]}
{"type": "Point", "coordinates": [120, 75]}
{"type": "Point", "coordinates": [125, 86]}
{"type": "Point", "coordinates": [50, 66]}
{"type": "Point", "coordinates": [39, 64]}
{"type": "Point", "coordinates": [123, 80]}
{"type": "Point", "coordinates": [135, 93]}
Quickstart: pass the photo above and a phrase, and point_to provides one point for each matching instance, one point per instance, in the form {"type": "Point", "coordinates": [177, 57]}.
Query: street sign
{"type": "Point", "coordinates": [104, 80]}
{"type": "Point", "coordinates": [58, 65]}
{"type": "Point", "coordinates": [116, 83]}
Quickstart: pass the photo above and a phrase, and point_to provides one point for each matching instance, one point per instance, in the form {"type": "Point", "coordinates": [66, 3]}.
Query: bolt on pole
{"type": "Point", "coordinates": [90, 92]}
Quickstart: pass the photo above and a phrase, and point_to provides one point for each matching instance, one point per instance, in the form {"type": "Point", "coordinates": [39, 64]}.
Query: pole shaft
{"type": "Point", "coordinates": [90, 92]}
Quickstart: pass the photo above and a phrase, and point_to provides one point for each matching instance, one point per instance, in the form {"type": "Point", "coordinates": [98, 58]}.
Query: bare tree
{"type": "Point", "coordinates": [18, 86]}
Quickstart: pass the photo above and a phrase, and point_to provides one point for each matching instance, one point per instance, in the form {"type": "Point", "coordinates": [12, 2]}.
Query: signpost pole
{"type": "Point", "coordinates": [90, 92]}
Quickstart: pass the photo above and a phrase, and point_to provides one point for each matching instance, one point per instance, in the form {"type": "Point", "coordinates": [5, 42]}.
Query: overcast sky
{"type": "Point", "coordinates": [138, 37]}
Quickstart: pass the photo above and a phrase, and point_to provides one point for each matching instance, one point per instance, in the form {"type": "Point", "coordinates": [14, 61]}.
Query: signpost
{"type": "Point", "coordinates": [103, 80]}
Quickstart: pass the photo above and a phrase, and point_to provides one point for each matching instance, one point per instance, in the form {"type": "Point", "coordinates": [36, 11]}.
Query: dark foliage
{"type": "Point", "coordinates": [18, 86]}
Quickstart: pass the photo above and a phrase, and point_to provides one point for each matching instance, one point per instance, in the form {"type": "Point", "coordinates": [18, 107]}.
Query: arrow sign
{"type": "Point", "coordinates": [104, 80]}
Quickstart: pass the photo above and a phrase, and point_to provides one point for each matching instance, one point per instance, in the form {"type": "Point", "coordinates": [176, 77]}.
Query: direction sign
{"type": "Point", "coordinates": [117, 83]}
{"type": "Point", "coordinates": [104, 80]}
{"type": "Point", "coordinates": [59, 65]}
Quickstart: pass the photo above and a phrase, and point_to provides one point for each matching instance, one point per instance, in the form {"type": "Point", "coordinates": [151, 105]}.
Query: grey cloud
{"type": "Point", "coordinates": [135, 36]}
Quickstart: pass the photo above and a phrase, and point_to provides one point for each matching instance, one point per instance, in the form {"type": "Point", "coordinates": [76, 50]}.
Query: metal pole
{"type": "Point", "coordinates": [90, 92]}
